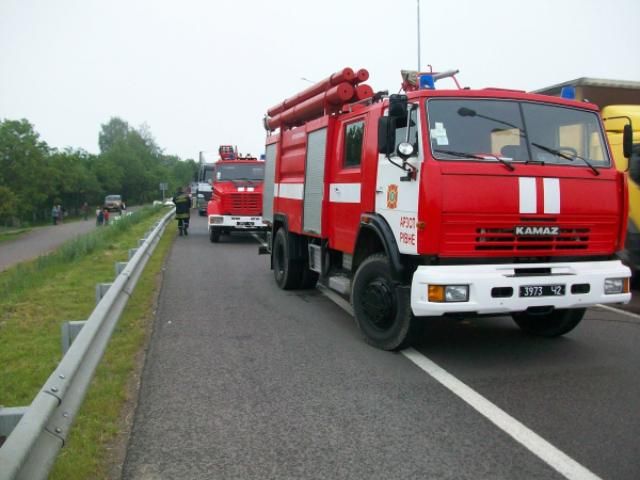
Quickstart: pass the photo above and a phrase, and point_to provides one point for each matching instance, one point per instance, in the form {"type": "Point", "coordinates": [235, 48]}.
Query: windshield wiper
{"type": "Point", "coordinates": [558, 153]}
{"type": "Point", "coordinates": [477, 157]}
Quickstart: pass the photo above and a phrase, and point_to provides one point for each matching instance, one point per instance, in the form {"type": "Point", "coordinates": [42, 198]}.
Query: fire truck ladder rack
{"type": "Point", "coordinates": [323, 98]}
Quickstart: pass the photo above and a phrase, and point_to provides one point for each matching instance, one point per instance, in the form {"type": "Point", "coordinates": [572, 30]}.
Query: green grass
{"type": "Point", "coordinates": [12, 234]}
{"type": "Point", "coordinates": [35, 298]}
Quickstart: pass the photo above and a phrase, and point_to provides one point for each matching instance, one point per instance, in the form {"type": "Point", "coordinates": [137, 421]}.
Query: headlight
{"type": "Point", "coordinates": [448, 293]}
{"type": "Point", "coordinates": [214, 220]}
{"type": "Point", "coordinates": [613, 286]}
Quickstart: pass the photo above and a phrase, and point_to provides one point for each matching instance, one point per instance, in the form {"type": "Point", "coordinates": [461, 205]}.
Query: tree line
{"type": "Point", "coordinates": [35, 176]}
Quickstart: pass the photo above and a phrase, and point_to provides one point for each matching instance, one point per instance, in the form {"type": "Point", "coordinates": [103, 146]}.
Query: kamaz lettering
{"type": "Point", "coordinates": [536, 231]}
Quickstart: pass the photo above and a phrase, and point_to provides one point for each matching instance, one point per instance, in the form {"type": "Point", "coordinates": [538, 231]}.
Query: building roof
{"type": "Point", "coordinates": [591, 82]}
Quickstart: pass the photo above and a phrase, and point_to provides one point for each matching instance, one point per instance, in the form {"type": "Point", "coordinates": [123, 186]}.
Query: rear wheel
{"type": "Point", "coordinates": [553, 324]}
{"type": "Point", "coordinates": [286, 271]}
{"type": "Point", "coordinates": [214, 235]}
{"type": "Point", "coordinates": [382, 307]}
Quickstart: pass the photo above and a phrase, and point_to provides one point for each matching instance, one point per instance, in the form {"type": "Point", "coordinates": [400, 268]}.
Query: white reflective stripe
{"type": "Point", "coordinates": [551, 195]}
{"type": "Point", "coordinates": [528, 197]}
{"type": "Point", "coordinates": [293, 191]}
{"type": "Point", "coordinates": [344, 192]}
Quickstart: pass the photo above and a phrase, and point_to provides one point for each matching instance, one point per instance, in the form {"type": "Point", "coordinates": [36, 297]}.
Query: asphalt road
{"type": "Point", "coordinates": [245, 381]}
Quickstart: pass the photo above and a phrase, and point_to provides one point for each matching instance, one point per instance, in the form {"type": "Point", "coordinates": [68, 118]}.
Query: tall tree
{"type": "Point", "coordinates": [112, 132]}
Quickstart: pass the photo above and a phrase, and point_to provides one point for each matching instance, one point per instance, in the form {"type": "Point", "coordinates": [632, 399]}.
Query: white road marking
{"type": "Point", "coordinates": [619, 310]}
{"type": "Point", "coordinates": [533, 442]}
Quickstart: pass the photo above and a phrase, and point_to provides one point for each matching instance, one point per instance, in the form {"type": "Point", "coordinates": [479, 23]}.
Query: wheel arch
{"type": "Point", "coordinates": [375, 236]}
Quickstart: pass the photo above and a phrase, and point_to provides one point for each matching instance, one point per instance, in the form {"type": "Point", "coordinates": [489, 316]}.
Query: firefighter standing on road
{"type": "Point", "coordinates": [183, 210]}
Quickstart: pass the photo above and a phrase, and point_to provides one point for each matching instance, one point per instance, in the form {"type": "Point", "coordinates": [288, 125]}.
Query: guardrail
{"type": "Point", "coordinates": [35, 434]}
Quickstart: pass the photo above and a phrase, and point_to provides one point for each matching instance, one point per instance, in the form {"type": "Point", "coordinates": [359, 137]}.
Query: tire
{"type": "Point", "coordinates": [382, 308]}
{"type": "Point", "coordinates": [214, 235]}
{"type": "Point", "coordinates": [553, 324]}
{"type": "Point", "coordinates": [287, 272]}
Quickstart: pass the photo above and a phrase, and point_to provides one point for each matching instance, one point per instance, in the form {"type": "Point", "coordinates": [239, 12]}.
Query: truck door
{"type": "Point", "coordinates": [397, 200]}
{"type": "Point", "coordinates": [345, 182]}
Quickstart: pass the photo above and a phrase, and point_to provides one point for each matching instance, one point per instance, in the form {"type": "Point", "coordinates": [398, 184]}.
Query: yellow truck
{"type": "Point", "coordinates": [619, 101]}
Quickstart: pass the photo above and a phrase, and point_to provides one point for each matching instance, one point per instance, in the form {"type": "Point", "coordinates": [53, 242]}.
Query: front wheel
{"type": "Point", "coordinates": [214, 235]}
{"type": "Point", "coordinates": [382, 307]}
{"type": "Point", "coordinates": [552, 324]}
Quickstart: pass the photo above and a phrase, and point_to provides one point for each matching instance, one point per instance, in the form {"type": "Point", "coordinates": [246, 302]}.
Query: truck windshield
{"type": "Point", "coordinates": [239, 171]}
{"type": "Point", "coordinates": [494, 130]}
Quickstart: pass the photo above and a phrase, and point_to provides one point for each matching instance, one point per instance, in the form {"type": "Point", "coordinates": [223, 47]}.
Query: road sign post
{"type": "Point", "coordinates": [163, 187]}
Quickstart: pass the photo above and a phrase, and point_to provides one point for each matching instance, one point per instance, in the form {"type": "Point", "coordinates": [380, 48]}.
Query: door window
{"type": "Point", "coordinates": [353, 136]}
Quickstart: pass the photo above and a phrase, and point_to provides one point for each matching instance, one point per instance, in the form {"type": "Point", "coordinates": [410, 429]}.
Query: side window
{"type": "Point", "coordinates": [401, 130]}
{"type": "Point", "coordinates": [353, 135]}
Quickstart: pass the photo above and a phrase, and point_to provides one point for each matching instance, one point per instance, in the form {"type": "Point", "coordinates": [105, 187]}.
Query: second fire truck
{"type": "Point", "coordinates": [444, 202]}
{"type": "Point", "coordinates": [236, 201]}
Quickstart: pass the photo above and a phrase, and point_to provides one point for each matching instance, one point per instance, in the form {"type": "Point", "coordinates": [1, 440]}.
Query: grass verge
{"type": "Point", "coordinates": [58, 287]}
{"type": "Point", "coordinates": [8, 235]}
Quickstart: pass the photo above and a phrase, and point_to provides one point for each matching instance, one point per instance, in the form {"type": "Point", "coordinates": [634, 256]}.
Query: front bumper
{"type": "Point", "coordinates": [235, 222]}
{"type": "Point", "coordinates": [482, 279]}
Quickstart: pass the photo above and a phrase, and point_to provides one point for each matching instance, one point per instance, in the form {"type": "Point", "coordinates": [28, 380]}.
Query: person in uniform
{"type": "Point", "coordinates": [183, 211]}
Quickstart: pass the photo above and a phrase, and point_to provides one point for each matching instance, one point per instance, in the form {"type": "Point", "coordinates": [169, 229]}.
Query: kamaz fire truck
{"type": "Point", "coordinates": [236, 201]}
{"type": "Point", "coordinates": [453, 202]}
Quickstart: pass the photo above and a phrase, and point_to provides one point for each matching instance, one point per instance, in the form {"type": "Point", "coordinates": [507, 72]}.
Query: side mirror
{"type": "Point", "coordinates": [386, 135]}
{"type": "Point", "coordinates": [627, 140]}
{"type": "Point", "coordinates": [398, 106]}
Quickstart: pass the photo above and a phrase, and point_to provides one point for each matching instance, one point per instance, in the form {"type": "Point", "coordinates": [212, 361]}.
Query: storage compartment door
{"type": "Point", "coordinates": [268, 185]}
{"type": "Point", "coordinates": [314, 181]}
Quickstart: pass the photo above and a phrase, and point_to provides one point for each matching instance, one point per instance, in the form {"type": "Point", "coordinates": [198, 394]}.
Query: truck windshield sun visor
{"type": "Point", "coordinates": [510, 131]}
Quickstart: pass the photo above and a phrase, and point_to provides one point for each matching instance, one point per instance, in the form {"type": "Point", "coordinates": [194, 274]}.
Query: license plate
{"type": "Point", "coordinates": [542, 290]}
{"type": "Point", "coordinates": [245, 224]}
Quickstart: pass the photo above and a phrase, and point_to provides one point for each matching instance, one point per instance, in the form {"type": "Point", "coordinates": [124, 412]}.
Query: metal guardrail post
{"type": "Point", "coordinates": [69, 331]}
{"type": "Point", "coordinates": [9, 418]}
{"type": "Point", "coordinates": [101, 290]}
{"type": "Point", "coordinates": [132, 252]}
{"type": "Point", "coordinates": [32, 447]}
{"type": "Point", "coordinates": [120, 266]}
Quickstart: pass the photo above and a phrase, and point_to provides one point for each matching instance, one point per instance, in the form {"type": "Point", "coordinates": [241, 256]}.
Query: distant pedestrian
{"type": "Point", "coordinates": [84, 209]}
{"type": "Point", "coordinates": [54, 214]}
{"type": "Point", "coordinates": [106, 216]}
{"type": "Point", "coordinates": [99, 216]}
{"type": "Point", "coordinates": [183, 210]}
{"type": "Point", "coordinates": [60, 214]}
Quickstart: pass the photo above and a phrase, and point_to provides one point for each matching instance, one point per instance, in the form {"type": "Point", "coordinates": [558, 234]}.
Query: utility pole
{"type": "Point", "coordinates": [418, 2]}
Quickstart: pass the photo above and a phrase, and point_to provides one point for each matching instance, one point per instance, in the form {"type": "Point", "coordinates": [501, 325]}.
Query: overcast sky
{"type": "Point", "coordinates": [202, 73]}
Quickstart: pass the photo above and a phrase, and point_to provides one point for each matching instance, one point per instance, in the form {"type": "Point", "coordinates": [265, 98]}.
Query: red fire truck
{"type": "Point", "coordinates": [453, 202]}
{"type": "Point", "coordinates": [236, 201]}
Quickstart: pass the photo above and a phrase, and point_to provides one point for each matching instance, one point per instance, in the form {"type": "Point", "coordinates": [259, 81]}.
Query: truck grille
{"type": "Point", "coordinates": [242, 204]}
{"type": "Point", "coordinates": [505, 239]}
{"type": "Point", "coordinates": [467, 237]}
